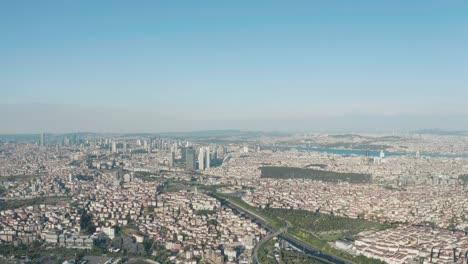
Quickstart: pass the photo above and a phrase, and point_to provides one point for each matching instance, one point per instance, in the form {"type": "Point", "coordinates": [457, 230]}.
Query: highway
{"type": "Point", "coordinates": [260, 243]}
{"type": "Point", "coordinates": [308, 249]}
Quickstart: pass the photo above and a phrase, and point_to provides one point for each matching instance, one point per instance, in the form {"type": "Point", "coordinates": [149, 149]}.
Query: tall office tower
{"type": "Point", "coordinates": [125, 147]}
{"type": "Point", "coordinates": [149, 148]}
{"type": "Point", "coordinates": [114, 147]}
{"type": "Point", "coordinates": [42, 139]}
{"type": "Point", "coordinates": [145, 144]}
{"type": "Point", "coordinates": [201, 159]}
{"type": "Point", "coordinates": [225, 150]}
{"type": "Point", "coordinates": [208, 158]}
{"type": "Point", "coordinates": [183, 154]}
{"type": "Point", "coordinates": [382, 154]}
{"type": "Point", "coordinates": [72, 140]}
{"type": "Point", "coordinates": [171, 159]}
{"type": "Point", "coordinates": [190, 162]}
{"type": "Point", "coordinates": [215, 156]}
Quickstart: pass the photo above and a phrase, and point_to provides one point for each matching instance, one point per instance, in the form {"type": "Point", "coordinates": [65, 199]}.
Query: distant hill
{"type": "Point", "coordinates": [220, 133]}
{"type": "Point", "coordinates": [441, 132]}
{"type": "Point", "coordinates": [19, 137]}
{"type": "Point", "coordinates": [203, 134]}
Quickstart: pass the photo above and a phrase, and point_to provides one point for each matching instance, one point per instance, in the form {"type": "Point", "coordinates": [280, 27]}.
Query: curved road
{"type": "Point", "coordinates": [308, 249]}
{"type": "Point", "coordinates": [265, 239]}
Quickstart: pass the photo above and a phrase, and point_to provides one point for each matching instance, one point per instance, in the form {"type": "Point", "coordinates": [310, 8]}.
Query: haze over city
{"type": "Point", "coordinates": [152, 66]}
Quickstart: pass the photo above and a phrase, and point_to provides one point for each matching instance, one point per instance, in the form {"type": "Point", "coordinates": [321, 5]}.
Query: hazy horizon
{"type": "Point", "coordinates": [52, 119]}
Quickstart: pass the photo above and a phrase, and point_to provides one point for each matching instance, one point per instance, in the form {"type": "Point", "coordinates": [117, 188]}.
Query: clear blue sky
{"type": "Point", "coordinates": [219, 64]}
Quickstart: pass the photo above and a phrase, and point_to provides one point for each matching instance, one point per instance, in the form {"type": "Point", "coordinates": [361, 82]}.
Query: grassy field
{"type": "Point", "coordinates": [313, 174]}
{"type": "Point", "coordinates": [290, 257]}
{"type": "Point", "coordinates": [266, 256]}
{"type": "Point", "coordinates": [265, 252]}
{"type": "Point", "coordinates": [326, 227]}
{"type": "Point", "coordinates": [145, 176]}
{"type": "Point", "coordinates": [13, 204]}
{"type": "Point", "coordinates": [271, 220]}
{"type": "Point", "coordinates": [19, 177]}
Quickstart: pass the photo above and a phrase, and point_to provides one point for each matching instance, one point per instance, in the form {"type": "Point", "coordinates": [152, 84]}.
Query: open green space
{"type": "Point", "coordinates": [205, 212]}
{"type": "Point", "coordinates": [36, 250]}
{"type": "Point", "coordinates": [265, 252]}
{"type": "Point", "coordinates": [271, 220]}
{"type": "Point", "coordinates": [313, 228]}
{"type": "Point", "coordinates": [326, 227]}
{"type": "Point", "coordinates": [40, 253]}
{"type": "Point", "coordinates": [13, 204]}
{"type": "Point", "coordinates": [313, 174]}
{"type": "Point", "coordinates": [266, 255]}
{"type": "Point", "coordinates": [13, 178]}
{"type": "Point", "coordinates": [464, 178]}
{"type": "Point", "coordinates": [145, 176]}
{"type": "Point", "coordinates": [290, 257]}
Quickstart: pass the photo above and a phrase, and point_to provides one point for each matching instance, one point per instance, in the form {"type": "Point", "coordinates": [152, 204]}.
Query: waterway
{"type": "Point", "coordinates": [356, 152]}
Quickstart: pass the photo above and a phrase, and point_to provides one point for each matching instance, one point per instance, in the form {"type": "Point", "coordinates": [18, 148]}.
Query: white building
{"type": "Point", "coordinates": [201, 159]}
{"type": "Point", "coordinates": [208, 158]}
{"type": "Point", "coordinates": [108, 232]}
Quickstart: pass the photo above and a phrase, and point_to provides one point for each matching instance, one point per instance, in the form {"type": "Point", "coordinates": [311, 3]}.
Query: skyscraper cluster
{"type": "Point", "coordinates": [204, 158]}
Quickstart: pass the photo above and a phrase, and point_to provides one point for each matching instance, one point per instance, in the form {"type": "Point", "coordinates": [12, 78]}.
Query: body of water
{"type": "Point", "coordinates": [356, 152]}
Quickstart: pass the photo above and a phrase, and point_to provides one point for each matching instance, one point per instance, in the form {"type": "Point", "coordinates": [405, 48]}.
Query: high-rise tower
{"type": "Point", "coordinates": [382, 154]}
{"type": "Point", "coordinates": [42, 139]}
{"type": "Point", "coordinates": [171, 159]}
{"type": "Point", "coordinates": [215, 156]}
{"type": "Point", "coordinates": [190, 162]}
{"type": "Point", "coordinates": [201, 159]}
{"type": "Point", "coordinates": [208, 158]}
